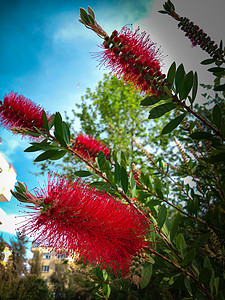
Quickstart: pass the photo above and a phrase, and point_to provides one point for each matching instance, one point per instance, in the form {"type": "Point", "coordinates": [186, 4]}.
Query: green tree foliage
{"type": "Point", "coordinates": [17, 260]}
{"type": "Point", "coordinates": [112, 113]}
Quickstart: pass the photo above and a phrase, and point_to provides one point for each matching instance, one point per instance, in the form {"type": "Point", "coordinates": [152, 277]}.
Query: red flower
{"type": "Point", "coordinates": [16, 111]}
{"type": "Point", "coordinates": [135, 57]}
{"type": "Point", "coordinates": [77, 219]}
{"type": "Point", "coordinates": [89, 147]}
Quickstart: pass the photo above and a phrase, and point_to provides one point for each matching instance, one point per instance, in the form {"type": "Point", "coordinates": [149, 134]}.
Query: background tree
{"type": "Point", "coordinates": [112, 113]}
{"type": "Point", "coordinates": [17, 260]}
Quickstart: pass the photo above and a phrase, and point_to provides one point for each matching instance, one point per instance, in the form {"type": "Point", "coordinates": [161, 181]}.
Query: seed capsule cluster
{"type": "Point", "coordinates": [198, 37]}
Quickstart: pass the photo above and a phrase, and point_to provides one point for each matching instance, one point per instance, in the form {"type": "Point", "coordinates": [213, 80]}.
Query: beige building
{"type": "Point", "coordinates": [47, 261]}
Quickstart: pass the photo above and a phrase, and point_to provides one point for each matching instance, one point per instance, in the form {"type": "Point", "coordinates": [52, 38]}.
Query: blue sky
{"type": "Point", "coordinates": [45, 55]}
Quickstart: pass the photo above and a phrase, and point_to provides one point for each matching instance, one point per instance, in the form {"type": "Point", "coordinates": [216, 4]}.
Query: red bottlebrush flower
{"type": "Point", "coordinates": [132, 54]}
{"type": "Point", "coordinates": [16, 111]}
{"type": "Point", "coordinates": [89, 147]}
{"type": "Point", "coordinates": [101, 229]}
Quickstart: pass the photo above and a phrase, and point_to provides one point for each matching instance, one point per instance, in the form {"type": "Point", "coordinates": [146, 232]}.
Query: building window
{"type": "Point", "coordinates": [61, 256]}
{"type": "Point", "coordinates": [45, 268]}
{"type": "Point", "coordinates": [46, 256]}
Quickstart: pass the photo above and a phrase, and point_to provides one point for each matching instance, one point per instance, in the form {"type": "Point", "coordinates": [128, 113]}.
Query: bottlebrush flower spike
{"type": "Point", "coordinates": [69, 215]}
{"type": "Point", "coordinates": [133, 56]}
{"type": "Point", "coordinates": [89, 147]}
{"type": "Point", "coordinates": [18, 112]}
{"type": "Point", "coordinates": [129, 54]}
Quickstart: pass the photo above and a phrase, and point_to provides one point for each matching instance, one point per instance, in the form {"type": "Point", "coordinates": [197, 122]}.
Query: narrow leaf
{"type": "Point", "coordinates": [117, 173]}
{"type": "Point", "coordinates": [202, 240]}
{"type": "Point", "coordinates": [174, 227]}
{"type": "Point", "coordinates": [146, 275]}
{"type": "Point", "coordinates": [173, 124]}
{"type": "Point", "coordinates": [187, 284]}
{"type": "Point", "coordinates": [45, 120]}
{"type": "Point", "coordinates": [217, 116]}
{"type": "Point", "coordinates": [149, 101]}
{"type": "Point", "coordinates": [189, 257]}
{"type": "Point", "coordinates": [124, 179]}
{"type": "Point", "coordinates": [82, 173]}
{"type": "Point", "coordinates": [162, 215]}
{"type": "Point", "coordinates": [201, 135]}
{"type": "Point", "coordinates": [91, 12]}
{"type": "Point", "coordinates": [208, 61]}
{"type": "Point", "coordinates": [50, 154]}
{"type": "Point", "coordinates": [66, 132]}
{"type": "Point", "coordinates": [195, 87]}
{"type": "Point", "coordinates": [58, 124]}
{"type": "Point", "coordinates": [216, 69]}
{"type": "Point", "coordinates": [179, 76]}
{"type": "Point", "coordinates": [186, 85]}
{"type": "Point", "coordinates": [171, 73]}
{"type": "Point", "coordinates": [160, 110]}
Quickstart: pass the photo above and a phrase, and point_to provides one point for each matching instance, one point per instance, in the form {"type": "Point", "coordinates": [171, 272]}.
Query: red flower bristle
{"type": "Point", "coordinates": [80, 220]}
{"type": "Point", "coordinates": [133, 56]}
{"type": "Point", "coordinates": [89, 147]}
{"type": "Point", "coordinates": [16, 111]}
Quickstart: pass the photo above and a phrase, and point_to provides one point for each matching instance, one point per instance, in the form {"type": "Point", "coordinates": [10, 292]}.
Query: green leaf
{"type": "Point", "coordinates": [217, 116]}
{"type": "Point", "coordinates": [181, 244]}
{"type": "Point", "coordinates": [189, 257]}
{"type": "Point", "coordinates": [202, 240]}
{"type": "Point", "coordinates": [58, 124]}
{"type": "Point", "coordinates": [66, 132]}
{"type": "Point", "coordinates": [201, 135]}
{"type": "Point", "coordinates": [146, 275]}
{"type": "Point", "coordinates": [51, 121]}
{"type": "Point", "coordinates": [101, 161]}
{"type": "Point", "coordinates": [60, 139]}
{"type": "Point", "coordinates": [82, 173]}
{"type": "Point", "coordinates": [51, 154]}
{"type": "Point", "coordinates": [117, 173]}
{"type": "Point", "coordinates": [132, 185]}
{"type": "Point", "coordinates": [91, 12]}
{"type": "Point", "coordinates": [167, 90]}
{"type": "Point", "coordinates": [216, 158]}
{"type": "Point", "coordinates": [195, 87]}
{"type": "Point", "coordinates": [149, 101]}
{"type": "Point", "coordinates": [186, 85]}
{"type": "Point", "coordinates": [45, 120]}
{"type": "Point", "coordinates": [22, 187]}
{"type": "Point", "coordinates": [208, 61]}
{"type": "Point", "coordinates": [173, 124]}
{"type": "Point", "coordinates": [187, 284]}
{"type": "Point", "coordinates": [162, 215]}
{"type": "Point", "coordinates": [205, 275]}
{"type": "Point", "coordinates": [19, 196]}
{"type": "Point", "coordinates": [219, 88]}
{"type": "Point", "coordinates": [31, 149]}
{"type": "Point", "coordinates": [84, 16]}
{"type": "Point", "coordinates": [124, 179]}
{"type": "Point", "coordinates": [174, 227]}
{"type": "Point", "coordinates": [171, 73]}
{"type": "Point", "coordinates": [163, 12]}
{"type": "Point", "coordinates": [179, 76]}
{"type": "Point", "coordinates": [160, 110]}
{"type": "Point", "coordinates": [216, 69]}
